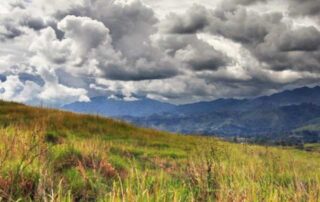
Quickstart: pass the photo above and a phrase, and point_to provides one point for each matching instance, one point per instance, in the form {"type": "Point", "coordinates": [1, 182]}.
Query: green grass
{"type": "Point", "coordinates": [312, 147]}
{"type": "Point", "coordinates": [49, 155]}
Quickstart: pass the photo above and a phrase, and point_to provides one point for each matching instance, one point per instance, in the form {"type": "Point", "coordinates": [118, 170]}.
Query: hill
{"type": "Point", "coordinates": [51, 155]}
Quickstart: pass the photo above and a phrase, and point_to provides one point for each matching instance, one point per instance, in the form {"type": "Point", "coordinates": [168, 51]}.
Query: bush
{"type": "Point", "coordinates": [54, 138]}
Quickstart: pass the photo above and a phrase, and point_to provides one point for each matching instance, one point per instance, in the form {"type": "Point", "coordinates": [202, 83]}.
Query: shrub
{"type": "Point", "coordinates": [66, 159]}
{"type": "Point", "coordinates": [54, 138]}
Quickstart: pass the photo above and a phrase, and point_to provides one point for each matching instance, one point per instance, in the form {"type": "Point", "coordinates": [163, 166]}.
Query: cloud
{"type": "Point", "coordinates": [304, 8]}
{"type": "Point", "coordinates": [8, 31]}
{"type": "Point", "coordinates": [60, 52]}
{"type": "Point", "coordinates": [240, 24]}
{"type": "Point", "coordinates": [290, 49]}
{"type": "Point", "coordinates": [196, 53]}
{"type": "Point", "coordinates": [18, 4]}
{"type": "Point", "coordinates": [231, 5]}
{"type": "Point", "coordinates": [49, 49]}
{"type": "Point", "coordinates": [129, 24]}
{"type": "Point", "coordinates": [178, 89]}
{"type": "Point", "coordinates": [39, 88]}
{"type": "Point", "coordinates": [54, 93]}
{"type": "Point", "coordinates": [86, 33]}
{"type": "Point", "coordinates": [248, 2]}
{"type": "Point", "coordinates": [25, 77]}
{"type": "Point", "coordinates": [13, 89]}
{"type": "Point", "coordinates": [142, 69]}
{"type": "Point", "coordinates": [35, 23]}
{"type": "Point", "coordinates": [302, 39]}
{"type": "Point", "coordinates": [268, 37]}
{"type": "Point", "coordinates": [130, 55]}
{"type": "Point", "coordinates": [243, 26]}
{"type": "Point", "coordinates": [196, 19]}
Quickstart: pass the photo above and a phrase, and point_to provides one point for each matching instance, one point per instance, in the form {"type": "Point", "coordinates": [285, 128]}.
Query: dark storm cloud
{"type": "Point", "coordinates": [116, 73]}
{"type": "Point", "coordinates": [206, 63]}
{"type": "Point", "coordinates": [141, 69]}
{"type": "Point", "coordinates": [278, 60]}
{"type": "Point", "coordinates": [244, 26]}
{"type": "Point", "coordinates": [240, 25]}
{"type": "Point", "coordinates": [271, 40]}
{"type": "Point", "coordinates": [198, 54]}
{"type": "Point", "coordinates": [195, 20]}
{"type": "Point", "coordinates": [35, 23]}
{"type": "Point", "coordinates": [267, 37]}
{"type": "Point", "coordinates": [305, 7]}
{"type": "Point", "coordinates": [138, 72]}
{"type": "Point", "coordinates": [303, 39]}
{"type": "Point", "coordinates": [229, 5]}
{"type": "Point", "coordinates": [248, 2]}
{"type": "Point", "coordinates": [292, 49]}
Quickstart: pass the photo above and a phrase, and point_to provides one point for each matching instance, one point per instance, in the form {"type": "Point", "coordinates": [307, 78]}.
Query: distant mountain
{"type": "Point", "coordinates": [249, 123]}
{"type": "Point", "coordinates": [285, 98]}
{"type": "Point", "coordinates": [220, 105]}
{"type": "Point", "coordinates": [271, 116]}
{"type": "Point", "coordinates": [290, 97]}
{"type": "Point", "coordinates": [115, 108]}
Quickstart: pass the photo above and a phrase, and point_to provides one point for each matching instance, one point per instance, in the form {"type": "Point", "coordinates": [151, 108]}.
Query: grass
{"type": "Point", "coordinates": [50, 155]}
{"type": "Point", "coordinates": [312, 147]}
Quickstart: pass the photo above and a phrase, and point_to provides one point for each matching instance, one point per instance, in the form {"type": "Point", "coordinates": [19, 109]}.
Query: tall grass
{"type": "Point", "coordinates": [49, 155]}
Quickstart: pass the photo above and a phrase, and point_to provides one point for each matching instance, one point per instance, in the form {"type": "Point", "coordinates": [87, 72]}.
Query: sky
{"type": "Point", "coordinates": [58, 52]}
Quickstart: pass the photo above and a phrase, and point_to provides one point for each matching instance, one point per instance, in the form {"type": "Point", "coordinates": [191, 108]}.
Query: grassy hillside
{"type": "Point", "coordinates": [49, 155]}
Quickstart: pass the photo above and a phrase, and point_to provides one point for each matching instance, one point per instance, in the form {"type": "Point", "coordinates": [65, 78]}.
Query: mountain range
{"type": "Point", "coordinates": [291, 113]}
{"type": "Point", "coordinates": [116, 107]}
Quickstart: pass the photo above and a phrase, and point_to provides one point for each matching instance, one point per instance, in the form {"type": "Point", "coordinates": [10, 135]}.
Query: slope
{"type": "Point", "coordinates": [60, 156]}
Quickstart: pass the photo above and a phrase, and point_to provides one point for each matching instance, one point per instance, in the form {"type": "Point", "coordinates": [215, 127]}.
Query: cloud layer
{"type": "Point", "coordinates": [61, 52]}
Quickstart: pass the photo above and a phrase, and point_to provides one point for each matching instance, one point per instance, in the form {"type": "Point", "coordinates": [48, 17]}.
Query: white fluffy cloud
{"type": "Point", "coordinates": [86, 34]}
